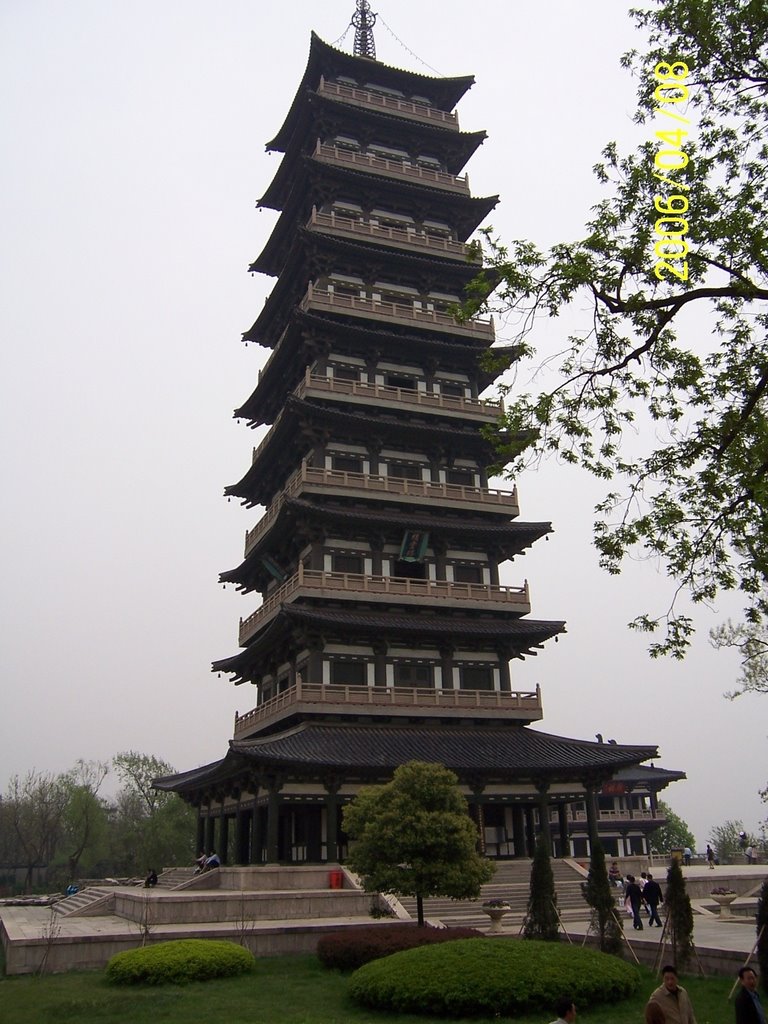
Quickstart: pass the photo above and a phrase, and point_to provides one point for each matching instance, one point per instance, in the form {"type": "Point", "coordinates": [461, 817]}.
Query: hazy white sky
{"type": "Point", "coordinates": [134, 154]}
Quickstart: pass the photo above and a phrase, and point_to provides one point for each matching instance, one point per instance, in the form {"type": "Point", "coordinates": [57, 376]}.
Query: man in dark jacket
{"type": "Point", "coordinates": [747, 1004]}
{"type": "Point", "coordinates": [652, 896]}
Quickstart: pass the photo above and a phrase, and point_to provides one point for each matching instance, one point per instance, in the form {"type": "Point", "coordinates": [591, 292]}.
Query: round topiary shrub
{"type": "Point", "coordinates": [350, 948]}
{"type": "Point", "coordinates": [178, 962]}
{"type": "Point", "coordinates": [487, 977]}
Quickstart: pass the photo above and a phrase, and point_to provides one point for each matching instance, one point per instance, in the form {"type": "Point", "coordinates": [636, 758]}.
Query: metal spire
{"type": "Point", "coordinates": [364, 19]}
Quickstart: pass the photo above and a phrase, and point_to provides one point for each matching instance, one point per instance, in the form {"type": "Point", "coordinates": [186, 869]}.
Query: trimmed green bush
{"type": "Point", "coordinates": [487, 977]}
{"type": "Point", "coordinates": [178, 962]}
{"type": "Point", "coordinates": [351, 948]}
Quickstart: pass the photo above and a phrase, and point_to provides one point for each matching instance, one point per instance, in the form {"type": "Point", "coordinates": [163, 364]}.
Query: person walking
{"type": "Point", "coordinates": [633, 897]}
{"type": "Point", "coordinates": [710, 857]}
{"type": "Point", "coordinates": [747, 1005]}
{"type": "Point", "coordinates": [652, 896]}
{"type": "Point", "coordinates": [672, 999]}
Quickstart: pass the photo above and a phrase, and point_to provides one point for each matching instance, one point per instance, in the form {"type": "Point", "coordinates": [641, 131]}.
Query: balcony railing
{"type": "Point", "coordinates": [375, 309]}
{"type": "Point", "coordinates": [418, 241]}
{"type": "Point", "coordinates": [366, 485]}
{"type": "Point", "coordinates": [581, 816]}
{"type": "Point", "coordinates": [358, 697]}
{"type": "Point", "coordinates": [315, 583]}
{"type": "Point", "coordinates": [405, 108]}
{"type": "Point", "coordinates": [365, 393]}
{"type": "Point", "coordinates": [391, 168]}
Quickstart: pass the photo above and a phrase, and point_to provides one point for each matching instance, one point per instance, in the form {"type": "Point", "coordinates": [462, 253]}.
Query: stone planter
{"type": "Point", "coordinates": [496, 914]}
{"type": "Point", "coordinates": [724, 900]}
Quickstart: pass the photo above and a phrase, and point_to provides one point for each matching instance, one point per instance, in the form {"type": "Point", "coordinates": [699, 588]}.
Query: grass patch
{"type": "Point", "coordinates": [281, 990]}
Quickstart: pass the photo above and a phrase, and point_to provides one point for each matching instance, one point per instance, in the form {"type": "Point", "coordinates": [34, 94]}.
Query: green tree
{"type": "Point", "coordinates": [727, 843]}
{"type": "Point", "coordinates": [35, 810]}
{"type": "Point", "coordinates": [604, 920]}
{"type": "Point", "coordinates": [675, 833]}
{"type": "Point", "coordinates": [84, 822]}
{"type": "Point", "coordinates": [414, 837]}
{"type": "Point", "coordinates": [541, 920]}
{"type": "Point", "coordinates": [150, 828]}
{"type": "Point", "coordinates": [679, 916]}
{"type": "Point", "coordinates": [674, 422]}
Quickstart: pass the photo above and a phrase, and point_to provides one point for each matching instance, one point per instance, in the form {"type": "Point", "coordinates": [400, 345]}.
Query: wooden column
{"type": "Point", "coordinates": [530, 830]}
{"type": "Point", "coordinates": [223, 835]}
{"type": "Point", "coordinates": [332, 821]}
{"type": "Point", "coordinates": [273, 820]}
{"type": "Point", "coordinates": [542, 788]}
{"type": "Point", "coordinates": [518, 830]}
{"type": "Point", "coordinates": [590, 799]}
{"type": "Point", "coordinates": [562, 821]}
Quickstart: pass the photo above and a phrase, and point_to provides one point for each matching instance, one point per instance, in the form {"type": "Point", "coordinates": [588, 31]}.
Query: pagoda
{"type": "Point", "coordinates": [382, 633]}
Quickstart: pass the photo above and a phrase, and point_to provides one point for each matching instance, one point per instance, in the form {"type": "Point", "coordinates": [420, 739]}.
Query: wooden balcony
{"type": "Point", "coordinates": [414, 241]}
{"type": "Point", "coordinates": [580, 817]}
{"type": "Point", "coordinates": [369, 700]}
{"type": "Point", "coordinates": [389, 104]}
{"type": "Point", "coordinates": [315, 584]}
{"type": "Point", "coordinates": [413, 173]}
{"type": "Point", "coordinates": [362, 393]}
{"type": "Point", "coordinates": [367, 308]}
{"type": "Point", "coordinates": [311, 480]}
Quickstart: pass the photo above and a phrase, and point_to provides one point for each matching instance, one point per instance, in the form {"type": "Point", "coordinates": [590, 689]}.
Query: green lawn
{"type": "Point", "coordinates": [283, 990]}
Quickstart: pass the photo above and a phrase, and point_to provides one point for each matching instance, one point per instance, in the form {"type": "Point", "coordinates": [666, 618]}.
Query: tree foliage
{"type": "Point", "coordinates": [679, 916]}
{"type": "Point", "coordinates": [727, 843]}
{"type": "Point", "coordinates": [541, 921]}
{"type": "Point", "coordinates": [604, 920]}
{"type": "Point", "coordinates": [414, 837]}
{"type": "Point", "coordinates": [675, 833]}
{"type": "Point", "coordinates": [662, 389]}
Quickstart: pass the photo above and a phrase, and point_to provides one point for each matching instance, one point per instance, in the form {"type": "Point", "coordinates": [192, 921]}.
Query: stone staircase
{"type": "Point", "coordinates": [512, 882]}
{"type": "Point", "coordinates": [91, 901]}
{"type": "Point", "coordinates": [171, 878]}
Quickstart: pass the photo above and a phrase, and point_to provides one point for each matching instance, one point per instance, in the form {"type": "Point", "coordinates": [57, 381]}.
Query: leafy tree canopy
{"type": "Point", "coordinates": [414, 837]}
{"type": "Point", "coordinates": [672, 415]}
{"type": "Point", "coordinates": [675, 834]}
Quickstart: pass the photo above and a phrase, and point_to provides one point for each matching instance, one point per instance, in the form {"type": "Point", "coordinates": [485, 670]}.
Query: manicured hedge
{"type": "Point", "coordinates": [179, 961]}
{"type": "Point", "coordinates": [487, 977]}
{"type": "Point", "coordinates": [351, 948]}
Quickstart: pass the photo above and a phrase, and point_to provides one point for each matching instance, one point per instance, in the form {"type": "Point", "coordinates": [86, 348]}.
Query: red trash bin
{"type": "Point", "coordinates": [336, 879]}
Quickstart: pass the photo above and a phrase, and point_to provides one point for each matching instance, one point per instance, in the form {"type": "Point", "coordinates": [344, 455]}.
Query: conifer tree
{"type": "Point", "coordinates": [604, 920]}
{"type": "Point", "coordinates": [541, 921]}
{"type": "Point", "coordinates": [680, 916]}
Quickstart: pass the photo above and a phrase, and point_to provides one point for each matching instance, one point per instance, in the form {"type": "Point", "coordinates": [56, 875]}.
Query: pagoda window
{"type": "Point", "coordinates": [347, 563]}
{"type": "Point", "coordinates": [393, 380]}
{"type": "Point", "coordinates": [404, 470]}
{"type": "Point", "coordinates": [409, 570]}
{"type": "Point", "coordinates": [460, 477]}
{"type": "Point", "coordinates": [388, 218]}
{"type": "Point", "coordinates": [347, 463]}
{"type": "Point", "coordinates": [345, 208]}
{"type": "Point", "coordinates": [605, 803]}
{"type": "Point", "coordinates": [430, 162]}
{"type": "Point", "coordinates": [476, 677]}
{"type": "Point", "coordinates": [409, 673]}
{"type": "Point", "coordinates": [451, 390]}
{"type": "Point", "coordinates": [346, 142]}
{"type": "Point", "coordinates": [384, 90]}
{"type": "Point", "coordinates": [389, 153]}
{"type": "Point", "coordinates": [441, 301]}
{"type": "Point", "coordinates": [425, 100]}
{"type": "Point", "coordinates": [344, 372]}
{"type": "Point", "coordinates": [438, 227]}
{"type": "Point", "coordinates": [468, 572]}
{"type": "Point", "coordinates": [348, 673]}
{"type": "Point", "coordinates": [346, 80]}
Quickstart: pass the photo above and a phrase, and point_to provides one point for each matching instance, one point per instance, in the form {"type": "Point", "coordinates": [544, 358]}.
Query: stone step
{"type": "Point", "coordinates": [80, 902]}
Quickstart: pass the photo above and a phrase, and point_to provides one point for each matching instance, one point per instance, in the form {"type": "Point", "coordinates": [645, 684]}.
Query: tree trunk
{"type": "Point", "coordinates": [420, 910]}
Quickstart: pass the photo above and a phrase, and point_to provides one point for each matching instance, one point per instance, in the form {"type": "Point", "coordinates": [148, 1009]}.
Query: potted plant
{"type": "Point", "coordinates": [724, 898]}
{"type": "Point", "coordinates": [496, 909]}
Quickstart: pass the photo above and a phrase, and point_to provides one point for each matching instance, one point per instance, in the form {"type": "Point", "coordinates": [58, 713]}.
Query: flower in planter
{"type": "Point", "coordinates": [721, 891]}
{"type": "Point", "coordinates": [497, 905]}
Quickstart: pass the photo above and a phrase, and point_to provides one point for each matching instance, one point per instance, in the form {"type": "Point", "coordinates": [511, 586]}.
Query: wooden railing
{"type": "Point", "coordinates": [616, 816]}
{"type": "Point", "coordinates": [376, 309]}
{"type": "Point", "coordinates": [418, 240]}
{"type": "Point", "coordinates": [406, 108]}
{"type": "Point", "coordinates": [391, 168]}
{"type": "Point", "coordinates": [383, 486]}
{"type": "Point", "coordinates": [528, 701]}
{"type": "Point", "coordinates": [488, 411]}
{"type": "Point", "coordinates": [317, 583]}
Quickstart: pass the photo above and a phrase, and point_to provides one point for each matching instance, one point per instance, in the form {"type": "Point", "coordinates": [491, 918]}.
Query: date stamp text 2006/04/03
{"type": "Point", "coordinates": [671, 247]}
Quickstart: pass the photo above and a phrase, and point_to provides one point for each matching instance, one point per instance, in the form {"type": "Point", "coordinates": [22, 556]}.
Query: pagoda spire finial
{"type": "Point", "coordinates": [364, 19]}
